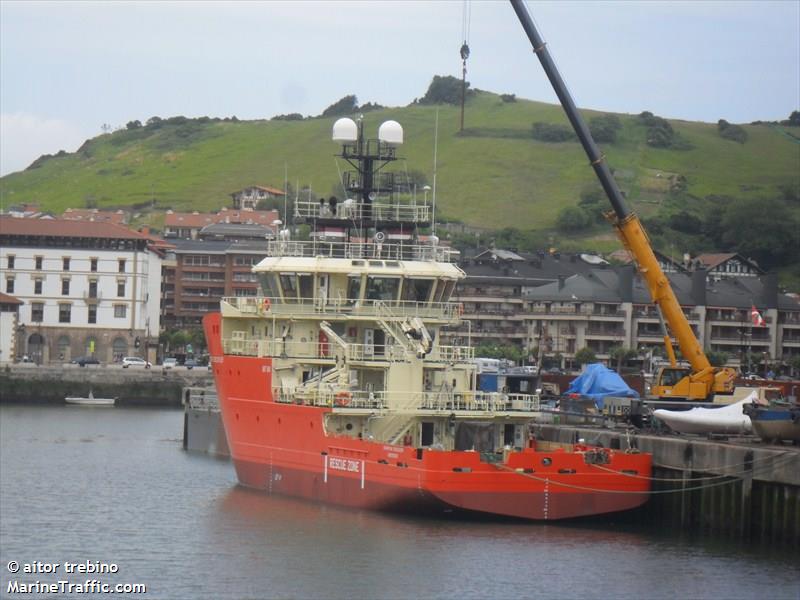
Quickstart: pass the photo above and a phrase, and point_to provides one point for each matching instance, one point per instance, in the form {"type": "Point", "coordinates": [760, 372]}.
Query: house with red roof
{"type": "Point", "coordinates": [249, 197]}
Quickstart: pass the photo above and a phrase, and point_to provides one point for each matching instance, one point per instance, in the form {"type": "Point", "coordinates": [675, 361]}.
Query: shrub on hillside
{"type": "Point", "coordinates": [444, 90]}
{"type": "Point", "coordinates": [731, 132]}
{"type": "Point", "coordinates": [288, 117]}
{"type": "Point", "coordinates": [370, 106]}
{"type": "Point", "coordinates": [604, 128]}
{"type": "Point", "coordinates": [659, 132]}
{"type": "Point", "coordinates": [552, 132]}
{"type": "Point", "coordinates": [133, 124]}
{"type": "Point", "coordinates": [345, 106]}
{"type": "Point", "coordinates": [572, 219]}
{"type": "Point", "coordinates": [508, 97]}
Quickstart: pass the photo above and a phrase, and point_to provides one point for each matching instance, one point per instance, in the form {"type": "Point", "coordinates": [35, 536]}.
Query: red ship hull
{"type": "Point", "coordinates": [283, 449]}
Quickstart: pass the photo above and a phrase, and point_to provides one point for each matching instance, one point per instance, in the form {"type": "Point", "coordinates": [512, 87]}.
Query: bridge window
{"type": "Point", "coordinates": [268, 285]}
{"type": "Point", "coordinates": [289, 286]}
{"type": "Point", "coordinates": [383, 288]}
{"type": "Point", "coordinates": [306, 286]}
{"type": "Point", "coordinates": [444, 288]}
{"type": "Point", "coordinates": [417, 290]}
{"type": "Point", "coordinates": [353, 288]}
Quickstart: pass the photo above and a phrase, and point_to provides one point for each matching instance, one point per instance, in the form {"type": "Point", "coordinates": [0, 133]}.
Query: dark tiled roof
{"type": "Point", "coordinates": [64, 228]}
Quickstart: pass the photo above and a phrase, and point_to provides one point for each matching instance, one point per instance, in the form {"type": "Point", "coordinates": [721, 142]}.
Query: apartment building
{"type": "Point", "coordinates": [86, 288]}
{"type": "Point", "coordinates": [199, 273]}
{"type": "Point", "coordinates": [567, 302]}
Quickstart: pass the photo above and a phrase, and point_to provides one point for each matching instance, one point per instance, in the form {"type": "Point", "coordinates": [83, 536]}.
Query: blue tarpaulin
{"type": "Point", "coordinates": [598, 381]}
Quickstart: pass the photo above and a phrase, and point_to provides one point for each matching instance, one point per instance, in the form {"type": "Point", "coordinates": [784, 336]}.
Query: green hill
{"type": "Point", "coordinates": [495, 175]}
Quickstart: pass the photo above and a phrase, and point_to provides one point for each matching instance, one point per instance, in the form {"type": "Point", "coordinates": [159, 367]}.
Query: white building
{"type": "Point", "coordinates": [86, 288]}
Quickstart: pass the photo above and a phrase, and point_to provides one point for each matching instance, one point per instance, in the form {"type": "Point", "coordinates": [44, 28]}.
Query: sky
{"type": "Point", "coordinates": [68, 68]}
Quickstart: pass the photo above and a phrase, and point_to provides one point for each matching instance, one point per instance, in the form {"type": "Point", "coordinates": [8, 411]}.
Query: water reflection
{"type": "Point", "coordinates": [115, 485]}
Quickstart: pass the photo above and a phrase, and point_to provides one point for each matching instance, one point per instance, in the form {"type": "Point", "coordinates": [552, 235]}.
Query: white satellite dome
{"type": "Point", "coordinates": [391, 132]}
{"type": "Point", "coordinates": [345, 130]}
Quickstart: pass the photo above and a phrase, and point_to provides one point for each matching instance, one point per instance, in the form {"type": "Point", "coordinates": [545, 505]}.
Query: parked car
{"type": "Point", "coordinates": [169, 363]}
{"type": "Point", "coordinates": [82, 361]}
{"type": "Point", "coordinates": [190, 363]}
{"type": "Point", "coordinates": [135, 361]}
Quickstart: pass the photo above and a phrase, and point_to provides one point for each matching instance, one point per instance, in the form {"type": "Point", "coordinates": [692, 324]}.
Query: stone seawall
{"type": "Point", "coordinates": [131, 387]}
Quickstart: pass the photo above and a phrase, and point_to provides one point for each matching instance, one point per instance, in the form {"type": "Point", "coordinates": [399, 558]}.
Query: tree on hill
{"type": "Point", "coordinates": [346, 106]}
{"type": "Point", "coordinates": [794, 119]}
{"type": "Point", "coordinates": [444, 89]}
{"type": "Point", "coordinates": [134, 124]}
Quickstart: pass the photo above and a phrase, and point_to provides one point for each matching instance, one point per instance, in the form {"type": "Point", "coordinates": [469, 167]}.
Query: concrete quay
{"type": "Point", "coordinates": [34, 384]}
{"type": "Point", "coordinates": [737, 487]}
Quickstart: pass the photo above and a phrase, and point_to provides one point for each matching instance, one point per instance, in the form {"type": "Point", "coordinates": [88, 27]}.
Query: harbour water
{"type": "Point", "coordinates": [102, 486]}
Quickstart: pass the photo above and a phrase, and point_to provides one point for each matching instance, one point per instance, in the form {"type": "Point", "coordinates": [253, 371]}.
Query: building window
{"type": "Point", "coordinates": [93, 288]}
{"type": "Point", "coordinates": [37, 312]}
{"type": "Point", "coordinates": [121, 265]}
{"type": "Point", "coordinates": [37, 286]}
{"type": "Point", "coordinates": [10, 285]}
{"type": "Point", "coordinates": [65, 287]}
{"type": "Point", "coordinates": [10, 259]}
{"type": "Point", "coordinates": [120, 288]}
{"type": "Point", "coordinates": [65, 263]}
{"type": "Point", "coordinates": [63, 347]}
{"type": "Point", "coordinates": [120, 310]}
{"type": "Point", "coordinates": [64, 313]}
{"type": "Point", "coordinates": [38, 262]}
{"type": "Point", "coordinates": [93, 265]}
{"type": "Point", "coordinates": [92, 313]}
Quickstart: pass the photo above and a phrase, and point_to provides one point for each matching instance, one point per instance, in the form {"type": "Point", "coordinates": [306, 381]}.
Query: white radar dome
{"type": "Point", "coordinates": [345, 130]}
{"type": "Point", "coordinates": [391, 132]}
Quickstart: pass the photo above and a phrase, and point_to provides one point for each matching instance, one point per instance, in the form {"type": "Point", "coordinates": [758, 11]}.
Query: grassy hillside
{"type": "Point", "coordinates": [495, 175]}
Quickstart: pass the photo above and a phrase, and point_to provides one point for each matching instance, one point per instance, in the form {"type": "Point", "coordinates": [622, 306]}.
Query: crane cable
{"type": "Point", "coordinates": [466, 20]}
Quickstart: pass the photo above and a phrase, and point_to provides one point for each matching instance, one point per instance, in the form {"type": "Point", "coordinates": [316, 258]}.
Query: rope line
{"type": "Point", "coordinates": [602, 491]}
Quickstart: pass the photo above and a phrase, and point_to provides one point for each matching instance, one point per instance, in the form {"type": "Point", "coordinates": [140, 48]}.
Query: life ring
{"type": "Point", "coordinates": [343, 398]}
{"type": "Point", "coordinates": [265, 305]}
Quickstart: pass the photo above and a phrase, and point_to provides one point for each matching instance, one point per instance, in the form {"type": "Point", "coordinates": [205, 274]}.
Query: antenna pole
{"type": "Point", "coordinates": [435, 150]}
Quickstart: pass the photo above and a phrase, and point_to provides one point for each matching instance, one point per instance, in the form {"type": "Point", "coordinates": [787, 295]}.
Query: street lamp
{"type": "Point", "coordinates": [426, 189]}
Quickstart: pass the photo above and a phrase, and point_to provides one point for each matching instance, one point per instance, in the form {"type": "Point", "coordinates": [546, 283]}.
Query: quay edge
{"type": "Point", "coordinates": [740, 489]}
{"type": "Point", "coordinates": [50, 385]}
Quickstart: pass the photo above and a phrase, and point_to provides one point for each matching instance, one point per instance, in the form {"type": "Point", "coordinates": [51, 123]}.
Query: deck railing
{"type": "Point", "coordinates": [262, 306]}
{"type": "Point", "coordinates": [326, 395]}
{"type": "Point", "coordinates": [352, 211]}
{"type": "Point", "coordinates": [278, 348]}
{"type": "Point", "coordinates": [367, 251]}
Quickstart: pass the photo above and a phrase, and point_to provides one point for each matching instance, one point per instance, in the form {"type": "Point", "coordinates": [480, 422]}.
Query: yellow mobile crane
{"type": "Point", "coordinates": [700, 381]}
